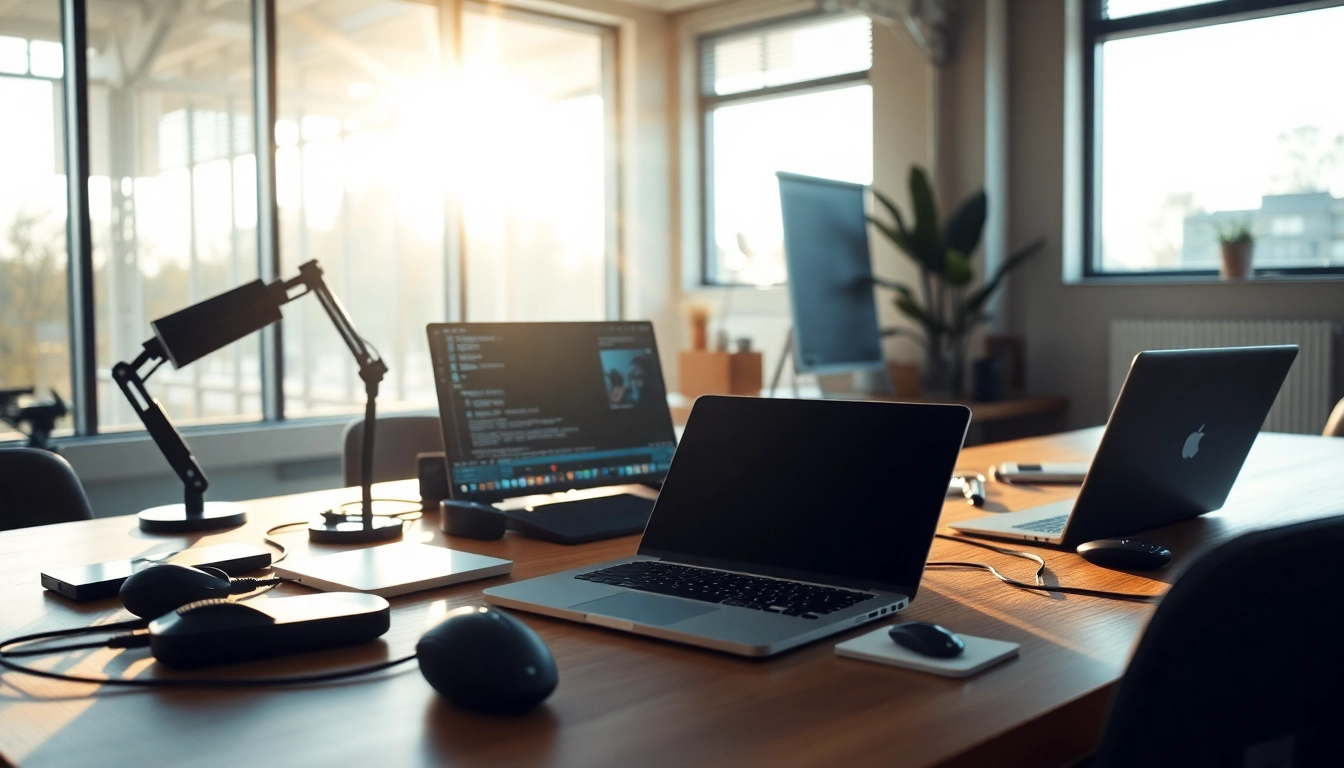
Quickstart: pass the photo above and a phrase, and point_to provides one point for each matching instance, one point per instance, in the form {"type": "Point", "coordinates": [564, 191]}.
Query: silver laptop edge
{"type": "Point", "coordinates": [726, 631]}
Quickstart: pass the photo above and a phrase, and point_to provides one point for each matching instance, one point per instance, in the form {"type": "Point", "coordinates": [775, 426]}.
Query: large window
{"type": "Point", "coordinates": [430, 181]}
{"type": "Point", "coordinates": [1204, 116]}
{"type": "Point", "coordinates": [792, 96]}
{"type": "Point", "coordinates": [34, 330]}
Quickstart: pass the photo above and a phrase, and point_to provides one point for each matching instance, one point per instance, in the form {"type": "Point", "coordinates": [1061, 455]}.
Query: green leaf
{"type": "Point", "coordinates": [926, 240]}
{"type": "Point", "coordinates": [901, 288]}
{"type": "Point", "coordinates": [908, 307]}
{"type": "Point", "coordinates": [894, 211]}
{"type": "Point", "coordinates": [958, 272]}
{"type": "Point", "coordinates": [895, 236]}
{"type": "Point", "coordinates": [978, 298]}
{"type": "Point", "coordinates": [963, 230]}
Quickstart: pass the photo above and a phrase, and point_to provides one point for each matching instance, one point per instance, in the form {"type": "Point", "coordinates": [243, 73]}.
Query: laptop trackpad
{"type": "Point", "coordinates": [644, 608]}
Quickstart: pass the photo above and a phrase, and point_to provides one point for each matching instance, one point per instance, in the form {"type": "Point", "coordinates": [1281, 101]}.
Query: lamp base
{"type": "Point", "coordinates": [173, 518]}
{"type": "Point", "coordinates": [352, 530]}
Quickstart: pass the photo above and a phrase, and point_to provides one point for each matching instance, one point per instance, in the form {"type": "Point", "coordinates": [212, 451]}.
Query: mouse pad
{"type": "Point", "coordinates": [645, 608]}
{"type": "Point", "coordinates": [981, 653]}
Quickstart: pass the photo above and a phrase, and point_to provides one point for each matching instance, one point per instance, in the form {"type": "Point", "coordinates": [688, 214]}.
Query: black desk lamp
{"type": "Point", "coordinates": [186, 336]}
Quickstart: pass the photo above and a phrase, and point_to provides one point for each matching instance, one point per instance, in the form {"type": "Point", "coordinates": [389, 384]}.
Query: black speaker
{"type": "Point", "coordinates": [432, 469]}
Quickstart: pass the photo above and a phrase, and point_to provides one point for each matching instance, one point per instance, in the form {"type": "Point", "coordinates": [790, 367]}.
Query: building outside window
{"type": "Point", "coordinates": [787, 96]}
{"type": "Point", "coordinates": [1202, 118]}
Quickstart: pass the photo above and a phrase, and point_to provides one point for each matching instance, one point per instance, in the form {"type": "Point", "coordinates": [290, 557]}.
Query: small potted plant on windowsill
{"type": "Point", "coordinates": [1238, 243]}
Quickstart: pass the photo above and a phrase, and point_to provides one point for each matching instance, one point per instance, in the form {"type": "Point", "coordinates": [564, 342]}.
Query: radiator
{"type": "Point", "coordinates": [1311, 389]}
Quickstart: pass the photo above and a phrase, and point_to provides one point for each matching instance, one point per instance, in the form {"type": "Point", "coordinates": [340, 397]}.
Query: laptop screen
{"type": "Point", "coordinates": [842, 492]}
{"type": "Point", "coordinates": [544, 407]}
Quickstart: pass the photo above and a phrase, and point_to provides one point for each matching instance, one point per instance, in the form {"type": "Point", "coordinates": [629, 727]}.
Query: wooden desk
{"type": "Point", "coordinates": [625, 700]}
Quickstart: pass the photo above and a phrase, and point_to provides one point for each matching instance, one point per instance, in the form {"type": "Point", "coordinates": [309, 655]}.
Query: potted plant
{"type": "Point", "coordinates": [1238, 244]}
{"type": "Point", "coordinates": [946, 308]}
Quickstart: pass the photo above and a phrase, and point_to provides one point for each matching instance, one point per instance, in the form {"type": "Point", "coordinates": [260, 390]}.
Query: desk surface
{"type": "Point", "coordinates": [624, 700]}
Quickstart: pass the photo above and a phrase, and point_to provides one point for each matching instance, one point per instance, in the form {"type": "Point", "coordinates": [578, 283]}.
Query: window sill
{"type": "Point", "coordinates": [1159, 279]}
{"type": "Point", "coordinates": [118, 456]}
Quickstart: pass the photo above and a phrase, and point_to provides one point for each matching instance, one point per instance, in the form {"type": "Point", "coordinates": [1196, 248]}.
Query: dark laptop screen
{"type": "Point", "coordinates": [850, 491]}
{"type": "Point", "coordinates": [543, 407]}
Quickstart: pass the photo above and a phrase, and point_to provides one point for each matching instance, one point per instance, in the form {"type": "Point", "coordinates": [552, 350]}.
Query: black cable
{"type": "Point", "coordinates": [50, 649]}
{"type": "Point", "coordinates": [1040, 585]}
{"type": "Point", "coordinates": [133, 640]}
{"type": "Point", "coordinates": [408, 515]}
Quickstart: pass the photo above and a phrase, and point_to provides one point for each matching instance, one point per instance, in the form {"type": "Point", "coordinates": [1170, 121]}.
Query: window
{"type": "Point", "coordinates": [791, 96]}
{"type": "Point", "coordinates": [34, 326]}
{"type": "Point", "coordinates": [172, 196]}
{"type": "Point", "coordinates": [1201, 120]}
{"type": "Point", "coordinates": [428, 191]}
{"type": "Point", "coordinates": [374, 143]}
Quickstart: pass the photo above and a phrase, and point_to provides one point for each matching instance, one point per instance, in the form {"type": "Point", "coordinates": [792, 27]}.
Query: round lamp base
{"type": "Point", "coordinates": [352, 531]}
{"type": "Point", "coordinates": [173, 518]}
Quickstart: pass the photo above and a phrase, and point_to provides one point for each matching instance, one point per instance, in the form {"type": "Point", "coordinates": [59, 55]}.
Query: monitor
{"type": "Point", "coordinates": [530, 408]}
{"type": "Point", "coordinates": [835, 328]}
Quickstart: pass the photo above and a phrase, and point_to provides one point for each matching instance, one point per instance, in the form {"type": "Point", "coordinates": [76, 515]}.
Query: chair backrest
{"type": "Point", "coordinates": [1242, 663]}
{"type": "Point", "coordinates": [38, 487]}
{"type": "Point", "coordinates": [396, 441]}
{"type": "Point", "coordinates": [1334, 426]}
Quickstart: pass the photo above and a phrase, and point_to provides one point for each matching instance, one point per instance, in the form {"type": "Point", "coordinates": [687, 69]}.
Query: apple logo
{"type": "Point", "coordinates": [1191, 446]}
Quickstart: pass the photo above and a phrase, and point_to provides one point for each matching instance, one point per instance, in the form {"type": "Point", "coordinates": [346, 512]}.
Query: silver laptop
{"type": "Point", "coordinates": [1177, 437]}
{"type": "Point", "coordinates": [779, 522]}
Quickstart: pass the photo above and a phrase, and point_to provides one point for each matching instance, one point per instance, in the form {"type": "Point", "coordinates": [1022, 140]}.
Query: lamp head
{"type": "Point", "coordinates": [194, 332]}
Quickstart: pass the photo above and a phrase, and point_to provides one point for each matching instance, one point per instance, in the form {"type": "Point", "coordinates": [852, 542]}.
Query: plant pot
{"type": "Point", "coordinates": [1237, 260]}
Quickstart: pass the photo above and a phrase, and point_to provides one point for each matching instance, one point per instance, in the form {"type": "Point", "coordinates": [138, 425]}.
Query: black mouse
{"type": "Point", "coordinates": [483, 659]}
{"type": "Point", "coordinates": [1125, 554]}
{"type": "Point", "coordinates": [161, 589]}
{"type": "Point", "coordinates": [927, 639]}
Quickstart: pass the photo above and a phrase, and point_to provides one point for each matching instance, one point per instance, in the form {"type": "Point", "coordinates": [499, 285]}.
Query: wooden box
{"type": "Point", "coordinates": [720, 373]}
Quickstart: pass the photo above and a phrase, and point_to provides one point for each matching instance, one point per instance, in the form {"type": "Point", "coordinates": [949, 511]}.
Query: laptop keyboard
{"type": "Point", "coordinates": [1048, 525]}
{"type": "Point", "coordinates": [790, 598]}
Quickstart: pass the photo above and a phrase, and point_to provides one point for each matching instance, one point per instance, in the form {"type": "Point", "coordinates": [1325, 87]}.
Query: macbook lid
{"type": "Point", "coordinates": [846, 493]}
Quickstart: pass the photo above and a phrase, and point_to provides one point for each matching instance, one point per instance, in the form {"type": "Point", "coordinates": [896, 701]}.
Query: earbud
{"type": "Point", "coordinates": [161, 589]}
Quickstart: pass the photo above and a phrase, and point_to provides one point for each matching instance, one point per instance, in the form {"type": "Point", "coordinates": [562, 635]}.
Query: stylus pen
{"type": "Point", "coordinates": [973, 488]}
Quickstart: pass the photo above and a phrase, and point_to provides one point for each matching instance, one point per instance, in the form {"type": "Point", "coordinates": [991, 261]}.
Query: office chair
{"type": "Point", "coordinates": [1334, 426]}
{"type": "Point", "coordinates": [1241, 664]}
{"type": "Point", "coordinates": [37, 488]}
{"type": "Point", "coordinates": [396, 441]}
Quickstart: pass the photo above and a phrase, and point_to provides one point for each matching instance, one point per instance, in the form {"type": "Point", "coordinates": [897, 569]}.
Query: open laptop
{"type": "Point", "coordinates": [780, 522]}
{"type": "Point", "coordinates": [563, 426]}
{"type": "Point", "coordinates": [1177, 437]}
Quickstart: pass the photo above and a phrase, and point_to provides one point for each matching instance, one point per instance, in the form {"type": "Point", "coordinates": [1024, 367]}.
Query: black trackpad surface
{"type": "Point", "coordinates": [653, 610]}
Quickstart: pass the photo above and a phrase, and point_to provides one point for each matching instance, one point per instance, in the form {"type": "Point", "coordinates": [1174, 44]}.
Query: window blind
{"type": "Point", "coordinates": [785, 54]}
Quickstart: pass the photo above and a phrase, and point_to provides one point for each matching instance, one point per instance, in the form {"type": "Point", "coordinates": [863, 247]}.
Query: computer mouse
{"type": "Point", "coordinates": [927, 639]}
{"type": "Point", "coordinates": [483, 659]}
{"type": "Point", "coordinates": [164, 588]}
{"type": "Point", "coordinates": [1125, 554]}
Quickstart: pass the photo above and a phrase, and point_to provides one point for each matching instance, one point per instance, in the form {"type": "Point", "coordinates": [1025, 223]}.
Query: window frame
{"type": "Point", "coordinates": [74, 109]}
{"type": "Point", "coordinates": [707, 103]}
{"type": "Point", "coordinates": [1097, 30]}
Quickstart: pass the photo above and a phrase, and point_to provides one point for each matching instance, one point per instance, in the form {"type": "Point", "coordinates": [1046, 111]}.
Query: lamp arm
{"type": "Point", "coordinates": [166, 436]}
{"type": "Point", "coordinates": [371, 367]}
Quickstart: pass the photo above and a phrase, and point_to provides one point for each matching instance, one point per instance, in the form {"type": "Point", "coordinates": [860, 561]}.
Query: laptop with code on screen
{"type": "Point", "coordinates": [563, 426]}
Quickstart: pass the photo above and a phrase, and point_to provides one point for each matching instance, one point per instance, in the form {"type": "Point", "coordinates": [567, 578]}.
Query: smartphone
{"type": "Point", "coordinates": [1067, 474]}
{"type": "Point", "coordinates": [94, 582]}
